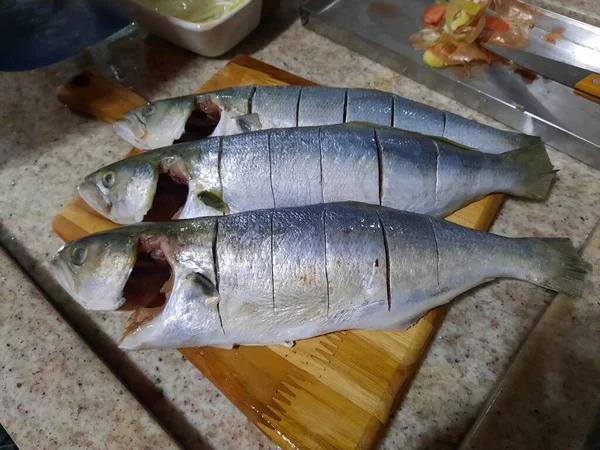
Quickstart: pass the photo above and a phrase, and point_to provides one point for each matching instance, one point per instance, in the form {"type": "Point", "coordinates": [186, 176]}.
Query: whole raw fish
{"type": "Point", "coordinates": [309, 165]}
{"type": "Point", "coordinates": [232, 110]}
{"type": "Point", "coordinates": [277, 275]}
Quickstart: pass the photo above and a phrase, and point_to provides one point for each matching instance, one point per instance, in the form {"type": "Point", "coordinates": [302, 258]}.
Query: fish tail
{"type": "Point", "coordinates": [538, 172]}
{"type": "Point", "coordinates": [560, 267]}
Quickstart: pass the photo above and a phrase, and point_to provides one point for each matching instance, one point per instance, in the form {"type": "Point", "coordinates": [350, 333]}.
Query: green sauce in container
{"type": "Point", "coordinates": [198, 11]}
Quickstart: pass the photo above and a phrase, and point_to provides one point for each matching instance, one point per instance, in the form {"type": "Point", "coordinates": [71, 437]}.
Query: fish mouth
{"type": "Point", "coordinates": [94, 196]}
{"type": "Point", "coordinates": [60, 272]}
{"type": "Point", "coordinates": [132, 131]}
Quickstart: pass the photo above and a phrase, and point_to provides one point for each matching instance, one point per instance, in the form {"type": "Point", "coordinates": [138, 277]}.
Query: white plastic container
{"type": "Point", "coordinates": [209, 38]}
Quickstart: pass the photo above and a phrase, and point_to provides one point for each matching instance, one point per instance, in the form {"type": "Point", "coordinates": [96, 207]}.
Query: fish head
{"type": "Point", "coordinates": [94, 270]}
{"type": "Point", "coordinates": [122, 192]}
{"type": "Point", "coordinates": [155, 124]}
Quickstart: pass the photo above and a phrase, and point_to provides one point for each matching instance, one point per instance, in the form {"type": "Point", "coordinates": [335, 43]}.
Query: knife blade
{"type": "Point", "coordinates": [585, 83]}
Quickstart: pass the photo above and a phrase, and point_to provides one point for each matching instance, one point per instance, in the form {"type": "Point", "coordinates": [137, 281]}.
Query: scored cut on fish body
{"type": "Point", "coordinates": [356, 265]}
{"type": "Point", "coordinates": [462, 174]}
{"type": "Point", "coordinates": [320, 105]}
{"type": "Point", "coordinates": [349, 164]}
{"type": "Point", "coordinates": [272, 276]}
{"type": "Point", "coordinates": [288, 106]}
{"type": "Point", "coordinates": [296, 166]}
{"type": "Point", "coordinates": [409, 170]}
{"type": "Point", "coordinates": [471, 262]}
{"type": "Point", "coordinates": [244, 254]}
{"type": "Point", "coordinates": [307, 165]}
{"type": "Point", "coordinates": [299, 272]}
{"type": "Point", "coordinates": [420, 118]}
{"type": "Point", "coordinates": [477, 135]}
{"type": "Point", "coordinates": [413, 263]}
{"type": "Point", "coordinates": [192, 308]}
{"type": "Point", "coordinates": [369, 105]}
{"type": "Point", "coordinates": [277, 106]}
{"type": "Point", "coordinates": [250, 154]}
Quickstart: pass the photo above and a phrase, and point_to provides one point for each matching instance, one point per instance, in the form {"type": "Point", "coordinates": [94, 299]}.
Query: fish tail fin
{"type": "Point", "coordinates": [538, 172]}
{"type": "Point", "coordinates": [559, 266]}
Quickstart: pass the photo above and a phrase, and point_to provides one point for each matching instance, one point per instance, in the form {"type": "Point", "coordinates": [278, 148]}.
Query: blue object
{"type": "Point", "coordinates": [6, 443]}
{"type": "Point", "coordinates": [37, 33]}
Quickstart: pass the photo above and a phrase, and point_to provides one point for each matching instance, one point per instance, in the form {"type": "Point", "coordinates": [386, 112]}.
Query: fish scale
{"type": "Point", "coordinates": [407, 154]}
{"type": "Point", "coordinates": [244, 246]}
{"type": "Point", "coordinates": [367, 105]}
{"type": "Point", "coordinates": [349, 164]}
{"type": "Point", "coordinates": [300, 148]}
{"type": "Point", "coordinates": [254, 187]}
{"type": "Point", "coordinates": [307, 165]}
{"type": "Point", "coordinates": [277, 275]}
{"type": "Point", "coordinates": [151, 126]}
{"type": "Point", "coordinates": [320, 106]}
{"type": "Point", "coordinates": [268, 101]}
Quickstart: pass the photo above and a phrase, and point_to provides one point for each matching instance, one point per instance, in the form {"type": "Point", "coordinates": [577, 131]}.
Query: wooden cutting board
{"type": "Point", "coordinates": [331, 392]}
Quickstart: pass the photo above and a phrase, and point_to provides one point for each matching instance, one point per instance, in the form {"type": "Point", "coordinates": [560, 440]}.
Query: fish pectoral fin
{"type": "Point", "coordinates": [248, 122]}
{"type": "Point", "coordinates": [231, 122]}
{"type": "Point", "coordinates": [202, 202]}
{"type": "Point", "coordinates": [202, 284]}
{"type": "Point", "coordinates": [213, 199]}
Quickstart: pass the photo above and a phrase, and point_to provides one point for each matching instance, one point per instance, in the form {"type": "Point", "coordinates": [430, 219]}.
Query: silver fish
{"type": "Point", "coordinates": [277, 275]}
{"type": "Point", "coordinates": [232, 110]}
{"type": "Point", "coordinates": [309, 165]}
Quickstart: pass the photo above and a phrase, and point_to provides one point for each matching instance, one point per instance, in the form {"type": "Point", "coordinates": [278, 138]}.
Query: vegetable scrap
{"type": "Point", "coordinates": [454, 29]}
{"type": "Point", "coordinates": [554, 36]}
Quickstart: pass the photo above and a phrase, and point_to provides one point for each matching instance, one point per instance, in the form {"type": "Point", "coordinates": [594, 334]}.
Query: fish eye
{"type": "Point", "coordinates": [78, 255]}
{"type": "Point", "coordinates": [148, 110]}
{"type": "Point", "coordinates": [108, 179]}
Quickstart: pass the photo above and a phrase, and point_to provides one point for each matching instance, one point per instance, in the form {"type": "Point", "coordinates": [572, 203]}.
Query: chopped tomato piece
{"type": "Point", "coordinates": [496, 24]}
{"type": "Point", "coordinates": [554, 36]}
{"type": "Point", "coordinates": [434, 14]}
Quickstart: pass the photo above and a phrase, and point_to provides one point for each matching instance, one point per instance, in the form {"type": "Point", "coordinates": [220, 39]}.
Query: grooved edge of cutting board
{"type": "Point", "coordinates": [335, 391]}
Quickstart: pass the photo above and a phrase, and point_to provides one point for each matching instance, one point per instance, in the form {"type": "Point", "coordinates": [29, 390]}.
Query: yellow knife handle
{"type": "Point", "coordinates": [589, 87]}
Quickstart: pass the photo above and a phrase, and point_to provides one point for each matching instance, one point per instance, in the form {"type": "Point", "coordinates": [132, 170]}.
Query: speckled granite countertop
{"type": "Point", "coordinates": [54, 392]}
{"type": "Point", "coordinates": [584, 10]}
{"type": "Point", "coordinates": [46, 149]}
{"type": "Point", "coordinates": [550, 396]}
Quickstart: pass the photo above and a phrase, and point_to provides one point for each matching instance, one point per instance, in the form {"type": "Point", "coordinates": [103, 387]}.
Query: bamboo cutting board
{"type": "Point", "coordinates": [330, 392]}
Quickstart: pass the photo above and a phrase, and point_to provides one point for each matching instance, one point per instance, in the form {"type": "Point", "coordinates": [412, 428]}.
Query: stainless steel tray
{"type": "Point", "coordinates": [534, 105]}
